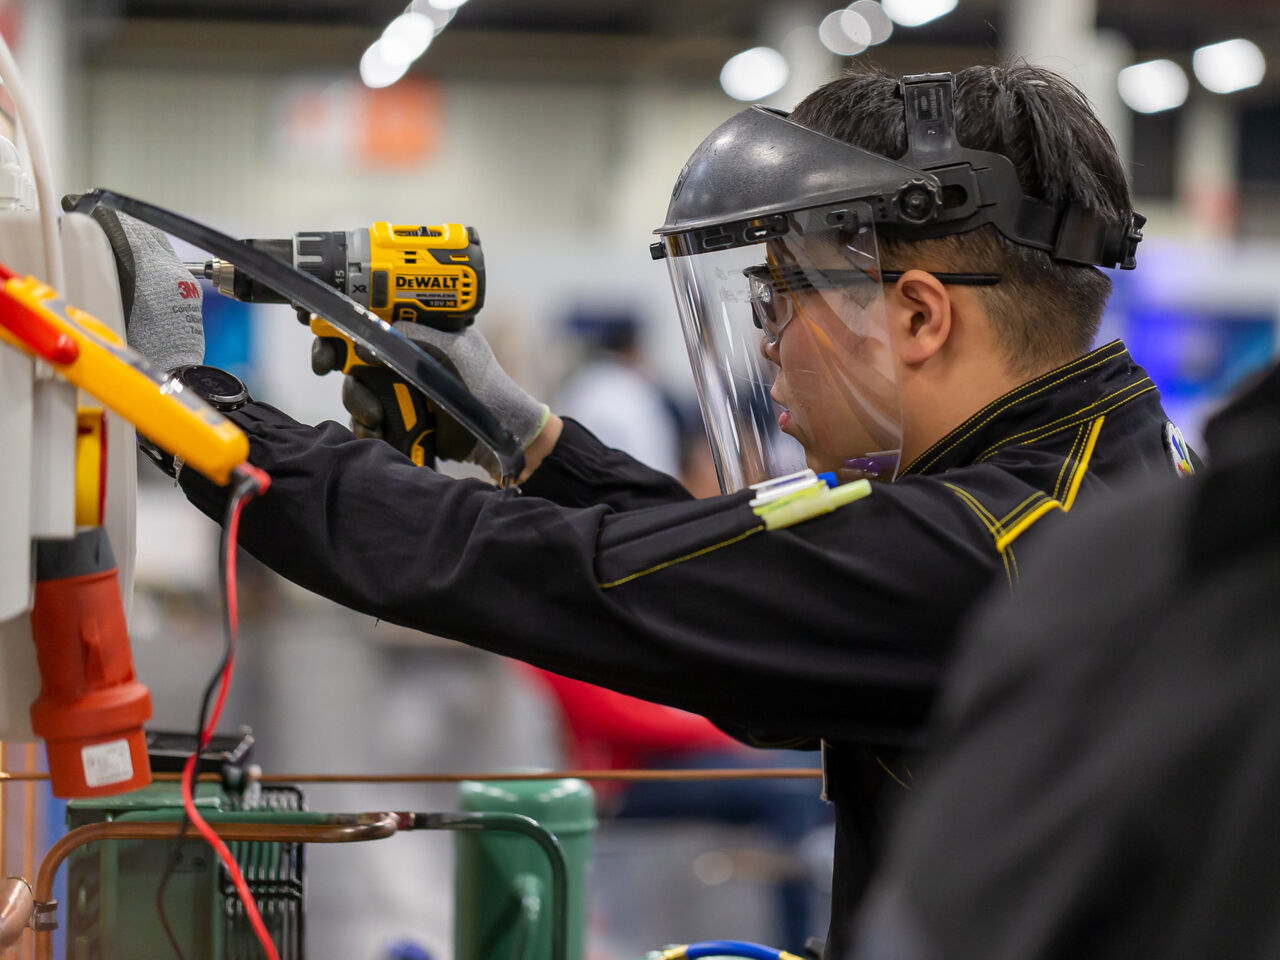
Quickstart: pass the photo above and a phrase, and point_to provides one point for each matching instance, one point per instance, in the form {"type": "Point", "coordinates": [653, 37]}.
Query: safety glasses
{"type": "Point", "coordinates": [773, 288]}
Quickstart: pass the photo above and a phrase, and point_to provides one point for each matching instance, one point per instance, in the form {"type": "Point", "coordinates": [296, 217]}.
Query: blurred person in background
{"type": "Point", "coordinates": [612, 731]}
{"type": "Point", "coordinates": [960, 369]}
{"type": "Point", "coordinates": [1105, 776]}
{"type": "Point", "coordinates": [611, 395]}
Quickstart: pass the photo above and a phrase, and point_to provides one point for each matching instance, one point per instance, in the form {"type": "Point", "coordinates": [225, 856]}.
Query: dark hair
{"type": "Point", "coordinates": [1045, 312]}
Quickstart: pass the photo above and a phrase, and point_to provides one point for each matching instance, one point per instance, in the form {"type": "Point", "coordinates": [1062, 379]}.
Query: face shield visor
{"type": "Point", "coordinates": [770, 239]}
{"type": "Point", "coordinates": [790, 348]}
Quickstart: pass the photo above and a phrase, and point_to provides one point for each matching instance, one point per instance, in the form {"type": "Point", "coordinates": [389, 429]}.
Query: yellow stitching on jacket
{"type": "Point", "coordinates": [1008, 517]}
{"type": "Point", "coordinates": [688, 556]}
{"type": "Point", "coordinates": [1077, 477]}
{"type": "Point", "coordinates": [986, 516]}
{"type": "Point", "coordinates": [1084, 412]}
{"type": "Point", "coordinates": [987, 520]}
{"type": "Point", "coordinates": [1071, 455]}
{"type": "Point", "coordinates": [896, 779]}
{"type": "Point", "coordinates": [1067, 372]}
{"type": "Point", "coordinates": [1033, 502]}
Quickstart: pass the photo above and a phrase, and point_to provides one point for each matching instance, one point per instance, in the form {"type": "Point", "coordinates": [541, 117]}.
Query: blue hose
{"type": "Point", "coordinates": [735, 948]}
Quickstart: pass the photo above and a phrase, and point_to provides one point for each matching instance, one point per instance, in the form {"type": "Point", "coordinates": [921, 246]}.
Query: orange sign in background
{"type": "Point", "coordinates": [346, 124]}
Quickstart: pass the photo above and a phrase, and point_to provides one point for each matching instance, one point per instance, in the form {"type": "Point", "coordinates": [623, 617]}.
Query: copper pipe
{"type": "Point", "coordinates": [4, 810]}
{"type": "Point", "coordinates": [16, 905]}
{"type": "Point", "coordinates": [30, 831]}
{"type": "Point", "coordinates": [767, 773]}
{"type": "Point", "coordinates": [338, 828]}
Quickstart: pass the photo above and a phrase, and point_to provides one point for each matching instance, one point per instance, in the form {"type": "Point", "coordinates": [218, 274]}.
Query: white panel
{"type": "Point", "coordinates": [92, 285]}
{"type": "Point", "coordinates": [15, 482]}
{"type": "Point", "coordinates": [20, 249]}
{"type": "Point", "coordinates": [53, 458]}
{"type": "Point", "coordinates": [19, 680]}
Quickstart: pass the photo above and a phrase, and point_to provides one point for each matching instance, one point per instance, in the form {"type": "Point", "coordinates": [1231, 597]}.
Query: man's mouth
{"type": "Point", "coordinates": [784, 415]}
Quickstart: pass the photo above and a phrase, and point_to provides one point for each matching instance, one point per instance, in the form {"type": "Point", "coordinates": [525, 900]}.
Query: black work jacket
{"type": "Point", "coordinates": [837, 628]}
{"type": "Point", "coordinates": [1118, 724]}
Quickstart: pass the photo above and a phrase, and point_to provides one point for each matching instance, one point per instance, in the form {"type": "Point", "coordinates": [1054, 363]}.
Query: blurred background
{"type": "Point", "coordinates": [557, 128]}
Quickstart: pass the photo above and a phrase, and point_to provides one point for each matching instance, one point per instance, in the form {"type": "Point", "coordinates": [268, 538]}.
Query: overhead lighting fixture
{"type": "Point", "coordinates": [915, 13]}
{"type": "Point", "coordinates": [1153, 86]}
{"type": "Point", "coordinates": [446, 4]}
{"type": "Point", "coordinates": [877, 20]}
{"type": "Point", "coordinates": [407, 38]}
{"type": "Point", "coordinates": [832, 35]}
{"type": "Point", "coordinates": [376, 70]}
{"type": "Point", "coordinates": [754, 74]}
{"type": "Point", "coordinates": [855, 27]}
{"type": "Point", "coordinates": [1229, 66]}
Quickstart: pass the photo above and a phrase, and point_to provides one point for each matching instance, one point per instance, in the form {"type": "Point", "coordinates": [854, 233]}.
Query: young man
{"type": "Point", "coordinates": [958, 368]}
{"type": "Point", "coordinates": [1131, 743]}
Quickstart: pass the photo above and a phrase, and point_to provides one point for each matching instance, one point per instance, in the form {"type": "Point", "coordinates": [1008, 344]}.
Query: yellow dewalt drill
{"type": "Point", "coordinates": [433, 275]}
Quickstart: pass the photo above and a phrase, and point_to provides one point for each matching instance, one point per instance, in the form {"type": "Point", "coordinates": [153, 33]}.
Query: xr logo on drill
{"type": "Point", "coordinates": [188, 290]}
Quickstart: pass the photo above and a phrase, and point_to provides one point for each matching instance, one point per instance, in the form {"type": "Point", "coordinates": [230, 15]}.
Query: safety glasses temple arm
{"type": "Point", "coordinates": [395, 351]}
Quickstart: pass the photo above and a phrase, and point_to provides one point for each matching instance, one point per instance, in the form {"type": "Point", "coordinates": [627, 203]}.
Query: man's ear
{"type": "Point", "coordinates": [919, 313]}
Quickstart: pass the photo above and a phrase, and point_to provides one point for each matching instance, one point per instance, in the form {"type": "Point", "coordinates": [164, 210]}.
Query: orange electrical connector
{"type": "Point", "coordinates": [91, 706]}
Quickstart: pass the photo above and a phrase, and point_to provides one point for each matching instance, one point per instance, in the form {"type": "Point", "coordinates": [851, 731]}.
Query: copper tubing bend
{"type": "Point", "coordinates": [16, 906]}
{"type": "Point", "coordinates": [338, 828]}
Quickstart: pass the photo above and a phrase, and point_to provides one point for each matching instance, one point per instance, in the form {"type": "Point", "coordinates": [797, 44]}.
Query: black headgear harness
{"type": "Point", "coordinates": [937, 188]}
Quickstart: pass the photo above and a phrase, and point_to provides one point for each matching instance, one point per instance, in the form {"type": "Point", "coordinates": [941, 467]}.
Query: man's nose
{"type": "Point", "coordinates": [769, 350]}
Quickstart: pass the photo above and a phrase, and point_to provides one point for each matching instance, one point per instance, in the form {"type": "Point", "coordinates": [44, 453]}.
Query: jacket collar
{"type": "Point", "coordinates": [1030, 411]}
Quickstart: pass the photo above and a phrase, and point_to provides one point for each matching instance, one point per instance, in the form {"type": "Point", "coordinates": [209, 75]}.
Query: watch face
{"type": "Point", "coordinates": [217, 386]}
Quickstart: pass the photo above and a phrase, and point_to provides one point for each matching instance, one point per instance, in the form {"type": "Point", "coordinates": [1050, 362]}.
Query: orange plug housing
{"type": "Point", "coordinates": [91, 706]}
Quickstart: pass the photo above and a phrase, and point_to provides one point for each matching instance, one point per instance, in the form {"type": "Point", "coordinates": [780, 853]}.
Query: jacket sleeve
{"type": "Point", "coordinates": [581, 472]}
{"type": "Point", "coordinates": [833, 627]}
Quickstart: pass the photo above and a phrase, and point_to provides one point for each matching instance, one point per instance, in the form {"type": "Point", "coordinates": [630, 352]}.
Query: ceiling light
{"type": "Point", "coordinates": [754, 73]}
{"type": "Point", "coordinates": [440, 18]}
{"type": "Point", "coordinates": [1153, 86]}
{"type": "Point", "coordinates": [914, 13]}
{"type": "Point", "coordinates": [376, 70]}
{"type": "Point", "coordinates": [1229, 66]}
{"type": "Point", "coordinates": [446, 4]}
{"type": "Point", "coordinates": [833, 37]}
{"type": "Point", "coordinates": [407, 37]}
{"type": "Point", "coordinates": [855, 27]}
{"type": "Point", "coordinates": [879, 22]}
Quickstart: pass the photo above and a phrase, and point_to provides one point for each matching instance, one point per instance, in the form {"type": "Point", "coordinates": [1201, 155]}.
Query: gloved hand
{"type": "Point", "coordinates": [161, 299]}
{"type": "Point", "coordinates": [377, 412]}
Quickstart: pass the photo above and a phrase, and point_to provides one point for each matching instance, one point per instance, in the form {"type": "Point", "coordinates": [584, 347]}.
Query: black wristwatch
{"type": "Point", "coordinates": [221, 390]}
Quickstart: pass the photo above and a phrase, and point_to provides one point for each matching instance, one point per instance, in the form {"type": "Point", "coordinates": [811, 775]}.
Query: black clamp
{"type": "Point", "coordinates": [44, 916]}
{"type": "Point", "coordinates": [1129, 243]}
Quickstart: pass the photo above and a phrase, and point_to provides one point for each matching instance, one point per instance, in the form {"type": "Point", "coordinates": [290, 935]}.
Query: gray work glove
{"type": "Point", "coordinates": [161, 299]}
{"type": "Point", "coordinates": [468, 355]}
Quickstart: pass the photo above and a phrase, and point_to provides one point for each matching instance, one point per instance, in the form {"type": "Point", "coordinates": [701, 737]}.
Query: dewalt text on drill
{"type": "Point", "coordinates": [433, 275]}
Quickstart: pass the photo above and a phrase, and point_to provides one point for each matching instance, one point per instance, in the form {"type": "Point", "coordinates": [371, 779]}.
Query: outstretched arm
{"type": "Point", "coordinates": [795, 631]}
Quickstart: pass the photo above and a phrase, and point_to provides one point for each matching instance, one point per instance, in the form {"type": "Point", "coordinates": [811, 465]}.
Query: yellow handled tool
{"type": "Point", "coordinates": [90, 355]}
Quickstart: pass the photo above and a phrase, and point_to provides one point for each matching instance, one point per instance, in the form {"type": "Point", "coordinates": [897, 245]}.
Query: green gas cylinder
{"type": "Point", "coordinates": [506, 882]}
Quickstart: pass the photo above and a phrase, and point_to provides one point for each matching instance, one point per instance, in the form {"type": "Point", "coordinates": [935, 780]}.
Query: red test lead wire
{"type": "Point", "coordinates": [252, 483]}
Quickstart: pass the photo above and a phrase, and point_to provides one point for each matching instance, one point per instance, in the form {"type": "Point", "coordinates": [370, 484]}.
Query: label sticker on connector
{"type": "Point", "coordinates": [107, 763]}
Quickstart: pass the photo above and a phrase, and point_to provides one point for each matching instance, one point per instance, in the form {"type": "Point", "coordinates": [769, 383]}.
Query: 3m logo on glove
{"type": "Point", "coordinates": [188, 290]}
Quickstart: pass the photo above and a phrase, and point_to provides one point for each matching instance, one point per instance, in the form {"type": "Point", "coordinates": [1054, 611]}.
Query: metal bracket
{"type": "Point", "coordinates": [45, 916]}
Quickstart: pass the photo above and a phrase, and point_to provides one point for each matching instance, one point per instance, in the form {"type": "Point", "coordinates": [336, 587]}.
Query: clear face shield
{"type": "Point", "coordinates": [790, 349]}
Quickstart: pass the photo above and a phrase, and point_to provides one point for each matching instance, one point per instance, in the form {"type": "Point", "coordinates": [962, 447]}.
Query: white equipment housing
{"type": "Point", "coordinates": [37, 451]}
